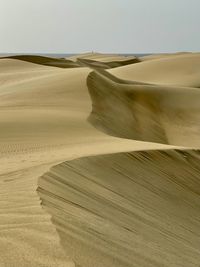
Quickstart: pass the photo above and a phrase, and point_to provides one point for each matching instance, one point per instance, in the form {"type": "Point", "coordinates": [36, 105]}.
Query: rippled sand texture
{"type": "Point", "coordinates": [127, 209]}
{"type": "Point", "coordinates": [100, 161]}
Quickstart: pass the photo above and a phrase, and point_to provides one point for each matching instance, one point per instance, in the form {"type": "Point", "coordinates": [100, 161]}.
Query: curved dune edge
{"type": "Point", "coordinates": [43, 122]}
{"type": "Point", "coordinates": [46, 61]}
{"type": "Point", "coordinates": [163, 55]}
{"type": "Point", "coordinates": [100, 61]}
{"type": "Point", "coordinates": [182, 70]}
{"type": "Point", "coordinates": [107, 65]}
{"type": "Point", "coordinates": [145, 112]}
{"type": "Point", "coordinates": [127, 209]}
{"type": "Point", "coordinates": [100, 57]}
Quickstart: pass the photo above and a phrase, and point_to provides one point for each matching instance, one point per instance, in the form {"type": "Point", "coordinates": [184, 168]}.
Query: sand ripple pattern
{"type": "Point", "coordinates": [100, 161]}
{"type": "Point", "coordinates": [127, 209]}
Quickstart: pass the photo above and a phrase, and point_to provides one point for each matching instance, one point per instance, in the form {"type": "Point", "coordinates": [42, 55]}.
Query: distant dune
{"type": "Point", "coordinates": [162, 55]}
{"type": "Point", "coordinates": [47, 61]}
{"type": "Point", "coordinates": [98, 57]}
{"type": "Point", "coordinates": [107, 65]}
{"type": "Point", "coordinates": [100, 161]}
{"type": "Point", "coordinates": [182, 70]}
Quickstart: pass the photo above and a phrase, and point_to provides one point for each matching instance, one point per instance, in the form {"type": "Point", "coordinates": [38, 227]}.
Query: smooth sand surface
{"type": "Point", "coordinates": [162, 55]}
{"type": "Point", "coordinates": [182, 70]}
{"type": "Point", "coordinates": [93, 166]}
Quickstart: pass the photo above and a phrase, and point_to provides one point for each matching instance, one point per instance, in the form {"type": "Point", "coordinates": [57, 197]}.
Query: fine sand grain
{"type": "Point", "coordinates": [100, 161]}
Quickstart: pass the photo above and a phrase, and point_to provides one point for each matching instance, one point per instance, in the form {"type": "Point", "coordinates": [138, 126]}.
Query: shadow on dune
{"type": "Point", "coordinates": [145, 112]}
{"type": "Point", "coordinates": [134, 208]}
{"type": "Point", "coordinates": [107, 65]}
{"type": "Point", "coordinates": [127, 209]}
{"type": "Point", "coordinates": [67, 63]}
{"type": "Point", "coordinates": [46, 61]}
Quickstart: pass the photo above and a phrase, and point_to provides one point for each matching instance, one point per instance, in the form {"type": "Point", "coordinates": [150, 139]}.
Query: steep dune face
{"type": "Point", "coordinates": [145, 112]}
{"type": "Point", "coordinates": [127, 209]}
{"type": "Point", "coordinates": [27, 236]}
{"type": "Point", "coordinates": [32, 138]}
{"type": "Point", "coordinates": [43, 121]}
{"type": "Point", "coordinates": [111, 207]}
{"type": "Point", "coordinates": [49, 111]}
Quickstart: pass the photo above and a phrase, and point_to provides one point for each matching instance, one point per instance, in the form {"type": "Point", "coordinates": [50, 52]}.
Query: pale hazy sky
{"type": "Point", "coordinates": [121, 26]}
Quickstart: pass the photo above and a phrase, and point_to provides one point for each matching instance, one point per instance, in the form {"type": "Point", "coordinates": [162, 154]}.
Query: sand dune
{"type": "Point", "coordinates": [47, 61]}
{"type": "Point", "coordinates": [98, 60]}
{"type": "Point", "coordinates": [105, 202]}
{"type": "Point", "coordinates": [127, 209]}
{"type": "Point", "coordinates": [107, 65]}
{"type": "Point", "coordinates": [180, 70]}
{"type": "Point", "coordinates": [16, 71]}
{"type": "Point", "coordinates": [102, 57]}
{"type": "Point", "coordinates": [162, 55]}
{"type": "Point", "coordinates": [145, 112]}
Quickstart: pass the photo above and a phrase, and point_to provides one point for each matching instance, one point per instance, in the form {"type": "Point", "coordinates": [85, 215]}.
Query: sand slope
{"type": "Point", "coordinates": [103, 58]}
{"type": "Point", "coordinates": [106, 65]}
{"type": "Point", "coordinates": [132, 208]}
{"type": "Point", "coordinates": [47, 61]}
{"type": "Point", "coordinates": [162, 55]}
{"type": "Point", "coordinates": [43, 121]}
{"type": "Point", "coordinates": [163, 114]}
{"type": "Point", "coordinates": [127, 209]}
{"type": "Point", "coordinates": [175, 70]}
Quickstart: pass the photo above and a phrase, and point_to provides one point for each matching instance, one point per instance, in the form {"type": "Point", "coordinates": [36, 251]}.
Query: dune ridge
{"type": "Point", "coordinates": [145, 112]}
{"type": "Point", "coordinates": [182, 70]}
{"type": "Point", "coordinates": [46, 61]}
{"type": "Point", "coordinates": [162, 55]}
{"type": "Point", "coordinates": [127, 209]}
{"type": "Point", "coordinates": [101, 57]}
{"type": "Point", "coordinates": [107, 65]}
{"type": "Point", "coordinates": [103, 198]}
{"type": "Point", "coordinates": [100, 62]}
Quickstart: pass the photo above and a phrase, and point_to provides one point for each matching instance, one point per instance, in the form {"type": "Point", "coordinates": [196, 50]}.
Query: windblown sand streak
{"type": "Point", "coordinates": [146, 112]}
{"type": "Point", "coordinates": [127, 209]}
{"type": "Point", "coordinates": [109, 199]}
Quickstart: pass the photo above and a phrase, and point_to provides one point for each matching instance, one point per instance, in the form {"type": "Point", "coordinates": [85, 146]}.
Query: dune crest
{"type": "Point", "coordinates": [162, 55]}
{"type": "Point", "coordinates": [105, 192]}
{"type": "Point", "coordinates": [100, 57]}
{"type": "Point", "coordinates": [107, 65]}
{"type": "Point", "coordinates": [145, 112]}
{"type": "Point", "coordinates": [46, 61]}
{"type": "Point", "coordinates": [127, 209]}
{"type": "Point", "coordinates": [182, 70]}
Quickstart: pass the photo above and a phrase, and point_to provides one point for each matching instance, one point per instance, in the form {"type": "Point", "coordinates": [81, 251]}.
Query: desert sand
{"type": "Point", "coordinates": [100, 161]}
